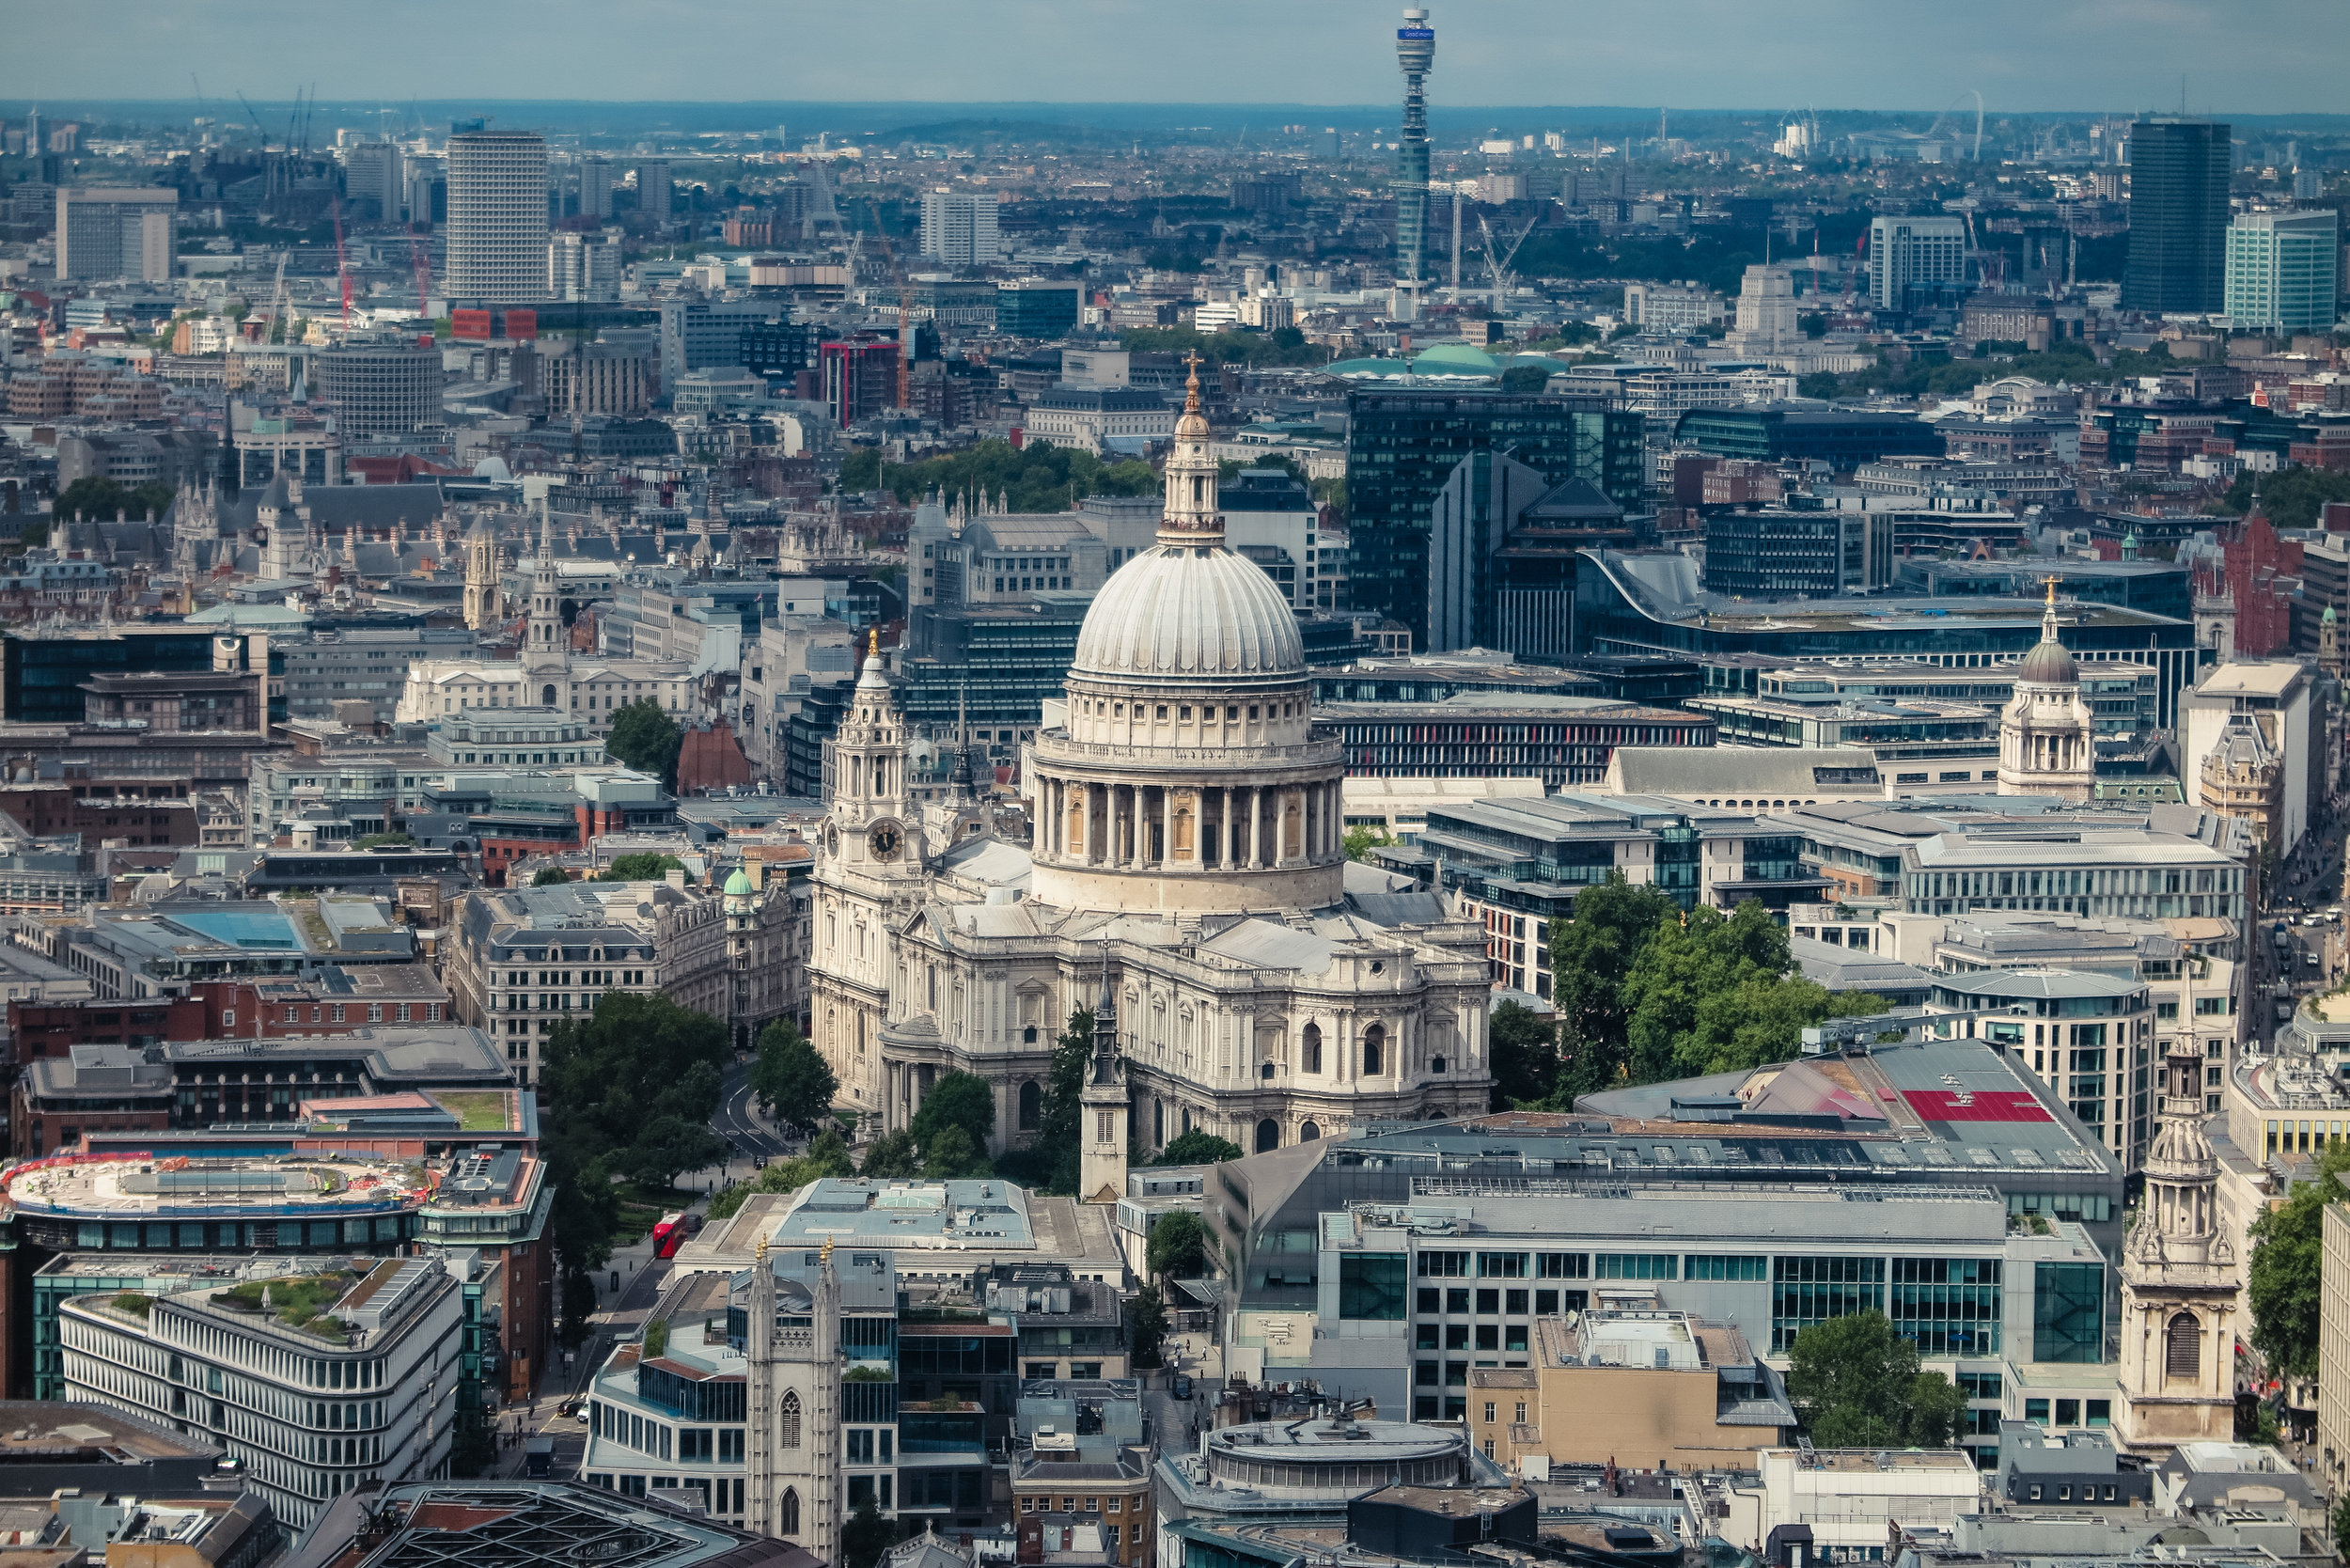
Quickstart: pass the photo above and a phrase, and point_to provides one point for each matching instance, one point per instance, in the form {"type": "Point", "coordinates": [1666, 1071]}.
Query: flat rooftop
{"type": "Point", "coordinates": [136, 1188]}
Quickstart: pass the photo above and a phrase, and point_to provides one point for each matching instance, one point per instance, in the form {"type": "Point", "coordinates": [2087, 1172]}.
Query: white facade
{"type": "Point", "coordinates": [1767, 314]}
{"type": "Point", "coordinates": [110, 231]}
{"type": "Point", "coordinates": [497, 217]}
{"type": "Point", "coordinates": [583, 267]}
{"type": "Point", "coordinates": [1915, 252]}
{"type": "Point", "coordinates": [372, 170]}
{"type": "Point", "coordinates": [960, 229]}
{"type": "Point", "coordinates": [1669, 307]}
{"type": "Point", "coordinates": [2280, 271]}
{"type": "Point", "coordinates": [307, 1417]}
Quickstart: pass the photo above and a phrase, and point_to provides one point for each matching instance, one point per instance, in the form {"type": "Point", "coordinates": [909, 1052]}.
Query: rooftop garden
{"type": "Point", "coordinates": [300, 1302]}
{"type": "Point", "coordinates": [478, 1110]}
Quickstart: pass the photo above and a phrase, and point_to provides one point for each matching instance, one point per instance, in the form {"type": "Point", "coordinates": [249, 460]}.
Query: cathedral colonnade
{"type": "Point", "coordinates": [1205, 825]}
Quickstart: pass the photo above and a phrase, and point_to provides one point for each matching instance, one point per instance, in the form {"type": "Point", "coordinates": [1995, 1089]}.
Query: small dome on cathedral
{"type": "Point", "coordinates": [2049, 663]}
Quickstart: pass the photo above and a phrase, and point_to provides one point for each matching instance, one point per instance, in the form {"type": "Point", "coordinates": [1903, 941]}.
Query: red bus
{"type": "Point", "coordinates": [668, 1236]}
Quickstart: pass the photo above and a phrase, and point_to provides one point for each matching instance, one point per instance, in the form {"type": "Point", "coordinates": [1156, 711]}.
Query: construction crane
{"type": "Point", "coordinates": [905, 309]}
{"type": "Point", "coordinates": [1500, 268]}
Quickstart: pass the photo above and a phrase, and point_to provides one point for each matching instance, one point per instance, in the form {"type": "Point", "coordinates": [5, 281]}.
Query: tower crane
{"type": "Point", "coordinates": [1500, 268]}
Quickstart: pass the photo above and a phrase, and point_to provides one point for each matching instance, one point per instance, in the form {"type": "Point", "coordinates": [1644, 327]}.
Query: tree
{"type": "Point", "coordinates": [892, 1154]}
{"type": "Point", "coordinates": [1856, 1383]}
{"type": "Point", "coordinates": [2341, 1528]}
{"type": "Point", "coordinates": [866, 1537]}
{"type": "Point", "coordinates": [1525, 1056]}
{"type": "Point", "coordinates": [792, 1076]}
{"type": "Point", "coordinates": [827, 1156]}
{"type": "Point", "coordinates": [962, 1100]}
{"type": "Point", "coordinates": [645, 738]}
{"type": "Point", "coordinates": [1060, 1123]}
{"type": "Point", "coordinates": [94, 496]}
{"type": "Point", "coordinates": [1146, 1325]}
{"type": "Point", "coordinates": [1199, 1147]}
{"type": "Point", "coordinates": [1592, 953]}
{"type": "Point", "coordinates": [610, 1079]}
{"type": "Point", "coordinates": [951, 1156]}
{"type": "Point", "coordinates": [645, 866]}
{"type": "Point", "coordinates": [550, 876]}
{"type": "Point", "coordinates": [2289, 498]}
{"type": "Point", "coordinates": [1712, 993]}
{"type": "Point", "coordinates": [1361, 841]}
{"type": "Point", "coordinates": [668, 1147]}
{"type": "Point", "coordinates": [2281, 1281]}
{"type": "Point", "coordinates": [1178, 1245]}
{"type": "Point", "coordinates": [1525, 377]}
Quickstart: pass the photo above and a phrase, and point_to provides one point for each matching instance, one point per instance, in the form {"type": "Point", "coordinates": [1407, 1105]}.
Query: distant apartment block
{"type": "Point", "coordinates": [109, 231]}
{"type": "Point", "coordinates": [2281, 271]}
{"type": "Point", "coordinates": [960, 230]}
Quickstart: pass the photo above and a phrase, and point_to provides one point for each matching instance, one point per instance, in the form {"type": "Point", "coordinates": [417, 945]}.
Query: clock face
{"type": "Point", "coordinates": [885, 843]}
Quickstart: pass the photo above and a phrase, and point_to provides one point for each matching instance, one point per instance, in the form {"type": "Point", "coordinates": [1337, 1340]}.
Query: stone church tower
{"type": "Point", "coordinates": [2179, 1283]}
{"type": "Point", "coordinates": [1102, 1165]}
{"type": "Point", "coordinates": [483, 593]}
{"type": "Point", "coordinates": [547, 646]}
{"type": "Point", "coordinates": [2047, 737]}
{"type": "Point", "coordinates": [792, 1407]}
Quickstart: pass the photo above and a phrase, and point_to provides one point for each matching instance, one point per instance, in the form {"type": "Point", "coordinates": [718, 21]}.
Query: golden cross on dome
{"type": "Point", "coordinates": [1191, 387]}
{"type": "Point", "coordinates": [2051, 581]}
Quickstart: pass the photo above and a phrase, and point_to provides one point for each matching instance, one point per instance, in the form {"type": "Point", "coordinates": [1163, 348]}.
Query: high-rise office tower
{"type": "Point", "coordinates": [2178, 216]}
{"type": "Point", "coordinates": [497, 216]}
{"type": "Point", "coordinates": [1907, 253]}
{"type": "Point", "coordinates": [1416, 52]}
{"type": "Point", "coordinates": [595, 187]}
{"type": "Point", "coordinates": [108, 231]}
{"type": "Point", "coordinates": [371, 172]}
{"type": "Point", "coordinates": [654, 189]}
{"type": "Point", "coordinates": [960, 230]}
{"type": "Point", "coordinates": [2281, 270]}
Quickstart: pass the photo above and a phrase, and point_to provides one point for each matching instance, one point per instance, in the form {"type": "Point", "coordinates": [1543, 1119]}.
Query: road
{"type": "Point", "coordinates": [739, 1123]}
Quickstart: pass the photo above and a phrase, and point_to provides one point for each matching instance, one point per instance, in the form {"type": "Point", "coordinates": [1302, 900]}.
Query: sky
{"type": "Point", "coordinates": [2264, 57]}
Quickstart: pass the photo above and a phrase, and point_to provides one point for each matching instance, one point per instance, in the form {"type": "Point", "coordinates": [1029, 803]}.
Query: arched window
{"type": "Point", "coordinates": [546, 696]}
{"type": "Point", "coordinates": [1268, 1134]}
{"type": "Point", "coordinates": [1435, 1064]}
{"type": "Point", "coordinates": [1031, 1107]}
{"type": "Point", "coordinates": [1311, 1052]}
{"type": "Point", "coordinates": [1158, 1123]}
{"type": "Point", "coordinates": [789, 1522]}
{"type": "Point", "coordinates": [1264, 1070]}
{"type": "Point", "coordinates": [1187, 1119]}
{"type": "Point", "coordinates": [1374, 1041]}
{"type": "Point", "coordinates": [1308, 1132]}
{"type": "Point", "coordinates": [2183, 1348]}
{"type": "Point", "coordinates": [790, 1435]}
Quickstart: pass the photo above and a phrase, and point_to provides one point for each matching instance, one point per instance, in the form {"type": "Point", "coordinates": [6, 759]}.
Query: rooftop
{"type": "Point", "coordinates": [128, 1187]}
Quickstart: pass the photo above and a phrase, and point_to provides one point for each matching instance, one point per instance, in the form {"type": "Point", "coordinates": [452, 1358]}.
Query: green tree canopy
{"type": "Point", "coordinates": [790, 1075]}
{"type": "Point", "coordinates": [1146, 1325]}
{"type": "Point", "coordinates": [1525, 1056]}
{"type": "Point", "coordinates": [949, 1155]}
{"type": "Point", "coordinates": [1060, 1123]}
{"type": "Point", "coordinates": [2282, 1281]}
{"type": "Point", "coordinates": [1361, 841]}
{"type": "Point", "coordinates": [1282, 346]}
{"type": "Point", "coordinates": [93, 495]}
{"type": "Point", "coordinates": [1525, 377]}
{"type": "Point", "coordinates": [644, 866]}
{"type": "Point", "coordinates": [626, 1088]}
{"type": "Point", "coordinates": [827, 1156]}
{"type": "Point", "coordinates": [962, 1100]}
{"type": "Point", "coordinates": [892, 1156]}
{"type": "Point", "coordinates": [866, 1537]}
{"type": "Point", "coordinates": [550, 876]}
{"type": "Point", "coordinates": [2290, 498]}
{"type": "Point", "coordinates": [1199, 1147]}
{"type": "Point", "coordinates": [1715, 994]}
{"type": "Point", "coordinates": [645, 738]}
{"type": "Point", "coordinates": [1856, 1383]}
{"type": "Point", "coordinates": [1591, 956]}
{"type": "Point", "coordinates": [1036, 477]}
{"type": "Point", "coordinates": [1178, 1245]}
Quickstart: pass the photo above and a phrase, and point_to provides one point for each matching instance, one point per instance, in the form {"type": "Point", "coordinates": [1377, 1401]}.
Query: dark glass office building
{"type": "Point", "coordinates": [2178, 216]}
{"type": "Point", "coordinates": [1404, 443]}
{"type": "Point", "coordinates": [42, 680]}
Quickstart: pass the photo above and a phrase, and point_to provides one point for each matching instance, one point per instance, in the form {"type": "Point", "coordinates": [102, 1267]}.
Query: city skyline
{"type": "Point", "coordinates": [2095, 56]}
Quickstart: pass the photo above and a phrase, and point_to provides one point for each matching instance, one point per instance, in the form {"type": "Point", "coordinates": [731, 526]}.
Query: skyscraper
{"type": "Point", "coordinates": [1416, 52]}
{"type": "Point", "coordinates": [960, 229]}
{"type": "Point", "coordinates": [2281, 270]}
{"type": "Point", "coordinates": [371, 172]}
{"type": "Point", "coordinates": [497, 216]}
{"type": "Point", "coordinates": [1907, 253]}
{"type": "Point", "coordinates": [2178, 216]}
{"type": "Point", "coordinates": [107, 232]}
{"type": "Point", "coordinates": [654, 190]}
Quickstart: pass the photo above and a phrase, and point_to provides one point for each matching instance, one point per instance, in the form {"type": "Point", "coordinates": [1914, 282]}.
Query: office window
{"type": "Point", "coordinates": [1807, 1290]}
{"type": "Point", "coordinates": [1371, 1286]}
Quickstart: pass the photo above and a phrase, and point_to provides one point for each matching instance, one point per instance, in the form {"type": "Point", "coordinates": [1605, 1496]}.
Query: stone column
{"type": "Point", "coordinates": [1166, 825]}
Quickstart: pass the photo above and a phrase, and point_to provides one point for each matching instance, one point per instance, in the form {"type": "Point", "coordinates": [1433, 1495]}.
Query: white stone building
{"type": "Point", "coordinates": [1187, 851]}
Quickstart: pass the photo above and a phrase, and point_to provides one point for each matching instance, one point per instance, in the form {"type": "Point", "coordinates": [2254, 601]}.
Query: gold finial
{"type": "Point", "coordinates": [759, 1252]}
{"type": "Point", "coordinates": [872, 645]}
{"type": "Point", "coordinates": [1191, 387]}
{"type": "Point", "coordinates": [2051, 581]}
{"type": "Point", "coordinates": [826, 1255]}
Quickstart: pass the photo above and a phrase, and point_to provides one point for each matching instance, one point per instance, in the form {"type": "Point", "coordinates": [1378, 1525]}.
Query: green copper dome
{"type": "Point", "coordinates": [739, 886]}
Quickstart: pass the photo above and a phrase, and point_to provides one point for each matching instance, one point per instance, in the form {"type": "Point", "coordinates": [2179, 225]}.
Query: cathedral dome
{"type": "Point", "coordinates": [1191, 612]}
{"type": "Point", "coordinates": [2049, 663]}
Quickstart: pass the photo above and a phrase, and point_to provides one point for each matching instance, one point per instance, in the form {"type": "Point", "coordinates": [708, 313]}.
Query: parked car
{"type": "Point", "coordinates": [1181, 1388]}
